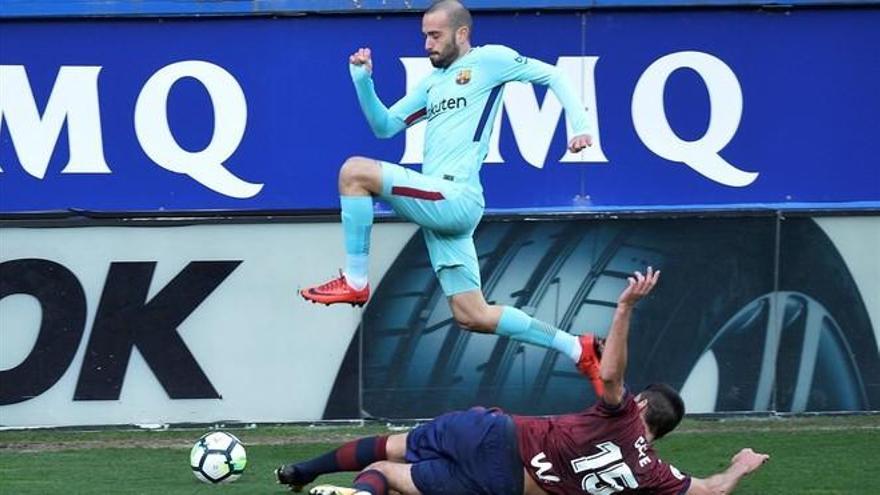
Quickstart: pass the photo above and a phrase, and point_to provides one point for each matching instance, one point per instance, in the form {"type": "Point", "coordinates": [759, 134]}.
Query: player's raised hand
{"type": "Point", "coordinates": [580, 142]}
{"type": "Point", "coordinates": [749, 460]}
{"type": "Point", "coordinates": [362, 57]}
{"type": "Point", "coordinates": [638, 286]}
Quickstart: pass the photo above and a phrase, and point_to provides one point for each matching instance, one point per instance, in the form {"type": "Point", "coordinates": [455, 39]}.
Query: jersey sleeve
{"type": "Point", "coordinates": [507, 65]}
{"type": "Point", "coordinates": [626, 406]}
{"type": "Point", "coordinates": [665, 479]}
{"type": "Point", "coordinates": [413, 107]}
{"type": "Point", "coordinates": [386, 122]}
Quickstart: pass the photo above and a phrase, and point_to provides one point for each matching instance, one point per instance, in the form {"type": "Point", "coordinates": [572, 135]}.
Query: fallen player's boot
{"type": "Point", "coordinates": [287, 474]}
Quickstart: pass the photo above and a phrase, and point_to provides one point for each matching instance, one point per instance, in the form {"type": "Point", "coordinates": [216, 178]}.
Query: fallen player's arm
{"type": "Point", "coordinates": [614, 357]}
{"type": "Point", "coordinates": [744, 462]}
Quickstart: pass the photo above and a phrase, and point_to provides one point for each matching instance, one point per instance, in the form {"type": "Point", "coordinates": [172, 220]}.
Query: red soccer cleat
{"type": "Point", "coordinates": [336, 291]}
{"type": "Point", "coordinates": [591, 355]}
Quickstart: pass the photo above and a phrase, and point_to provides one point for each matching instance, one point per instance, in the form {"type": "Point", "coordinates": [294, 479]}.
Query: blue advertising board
{"type": "Point", "coordinates": [67, 8]}
{"type": "Point", "coordinates": [691, 109]}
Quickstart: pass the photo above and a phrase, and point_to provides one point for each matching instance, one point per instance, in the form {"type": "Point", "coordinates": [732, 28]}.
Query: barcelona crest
{"type": "Point", "coordinates": [463, 77]}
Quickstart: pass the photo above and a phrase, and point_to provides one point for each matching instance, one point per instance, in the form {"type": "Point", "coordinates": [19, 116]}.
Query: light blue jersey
{"type": "Point", "coordinates": [459, 104]}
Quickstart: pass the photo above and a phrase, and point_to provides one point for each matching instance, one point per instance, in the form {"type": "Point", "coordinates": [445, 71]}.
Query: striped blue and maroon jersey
{"type": "Point", "coordinates": [460, 103]}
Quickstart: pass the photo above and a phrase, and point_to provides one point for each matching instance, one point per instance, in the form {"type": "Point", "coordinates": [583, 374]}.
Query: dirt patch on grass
{"type": "Point", "coordinates": [156, 441]}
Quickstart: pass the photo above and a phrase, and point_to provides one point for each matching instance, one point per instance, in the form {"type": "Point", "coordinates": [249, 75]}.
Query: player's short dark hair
{"type": "Point", "coordinates": [458, 14]}
{"type": "Point", "coordinates": [664, 410]}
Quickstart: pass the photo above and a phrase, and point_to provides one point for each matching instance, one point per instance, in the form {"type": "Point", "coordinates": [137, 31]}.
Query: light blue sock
{"type": "Point", "coordinates": [357, 222]}
{"type": "Point", "coordinates": [519, 326]}
{"type": "Point", "coordinates": [356, 270]}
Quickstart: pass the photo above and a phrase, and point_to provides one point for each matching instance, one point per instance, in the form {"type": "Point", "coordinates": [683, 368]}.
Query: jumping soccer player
{"type": "Point", "coordinates": [605, 449]}
{"type": "Point", "coordinates": [459, 100]}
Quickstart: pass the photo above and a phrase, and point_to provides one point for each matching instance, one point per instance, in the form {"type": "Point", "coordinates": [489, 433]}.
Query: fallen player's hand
{"type": "Point", "coordinates": [580, 142]}
{"type": "Point", "coordinates": [639, 287]}
{"type": "Point", "coordinates": [362, 57]}
{"type": "Point", "coordinates": [749, 460]}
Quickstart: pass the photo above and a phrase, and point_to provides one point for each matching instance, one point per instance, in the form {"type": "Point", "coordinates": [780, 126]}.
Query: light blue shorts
{"type": "Point", "coordinates": [448, 213]}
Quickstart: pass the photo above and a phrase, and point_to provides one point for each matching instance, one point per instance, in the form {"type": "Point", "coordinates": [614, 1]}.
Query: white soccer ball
{"type": "Point", "coordinates": [217, 457]}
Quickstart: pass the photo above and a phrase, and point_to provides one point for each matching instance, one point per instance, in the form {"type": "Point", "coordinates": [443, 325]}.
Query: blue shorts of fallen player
{"type": "Point", "coordinates": [469, 452]}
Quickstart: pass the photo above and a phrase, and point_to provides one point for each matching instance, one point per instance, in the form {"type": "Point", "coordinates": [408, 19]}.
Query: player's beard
{"type": "Point", "coordinates": [445, 57]}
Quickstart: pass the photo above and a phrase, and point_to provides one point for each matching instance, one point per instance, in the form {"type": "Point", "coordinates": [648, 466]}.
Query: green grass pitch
{"type": "Point", "coordinates": [823, 455]}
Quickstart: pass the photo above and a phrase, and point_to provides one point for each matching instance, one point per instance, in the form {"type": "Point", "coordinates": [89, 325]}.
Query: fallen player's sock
{"type": "Point", "coordinates": [372, 482]}
{"type": "Point", "coordinates": [352, 456]}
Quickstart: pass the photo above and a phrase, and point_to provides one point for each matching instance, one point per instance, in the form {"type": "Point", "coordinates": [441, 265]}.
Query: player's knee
{"type": "Point", "coordinates": [395, 447]}
{"type": "Point", "coordinates": [354, 167]}
{"type": "Point", "coordinates": [465, 322]}
{"type": "Point", "coordinates": [383, 467]}
{"type": "Point", "coordinates": [356, 171]}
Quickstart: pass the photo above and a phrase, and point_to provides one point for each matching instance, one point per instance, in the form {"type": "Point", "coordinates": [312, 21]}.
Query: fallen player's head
{"type": "Point", "coordinates": [662, 408]}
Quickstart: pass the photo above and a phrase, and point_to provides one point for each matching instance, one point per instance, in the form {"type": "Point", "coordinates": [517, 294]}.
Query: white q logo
{"type": "Point", "coordinates": [725, 98]}
{"type": "Point", "coordinates": [230, 117]}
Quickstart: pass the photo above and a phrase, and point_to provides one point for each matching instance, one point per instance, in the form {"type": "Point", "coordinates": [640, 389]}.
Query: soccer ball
{"type": "Point", "coordinates": [218, 457]}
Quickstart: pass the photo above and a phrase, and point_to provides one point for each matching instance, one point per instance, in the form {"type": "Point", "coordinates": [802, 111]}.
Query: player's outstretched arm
{"type": "Point", "coordinates": [511, 66]}
{"type": "Point", "coordinates": [744, 462]}
{"type": "Point", "coordinates": [614, 357]}
{"type": "Point", "coordinates": [383, 121]}
{"type": "Point", "coordinates": [574, 111]}
{"type": "Point", "coordinates": [507, 65]}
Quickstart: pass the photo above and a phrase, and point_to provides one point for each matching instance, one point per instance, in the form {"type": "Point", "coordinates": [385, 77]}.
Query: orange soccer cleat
{"type": "Point", "coordinates": [591, 356]}
{"type": "Point", "coordinates": [336, 291]}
